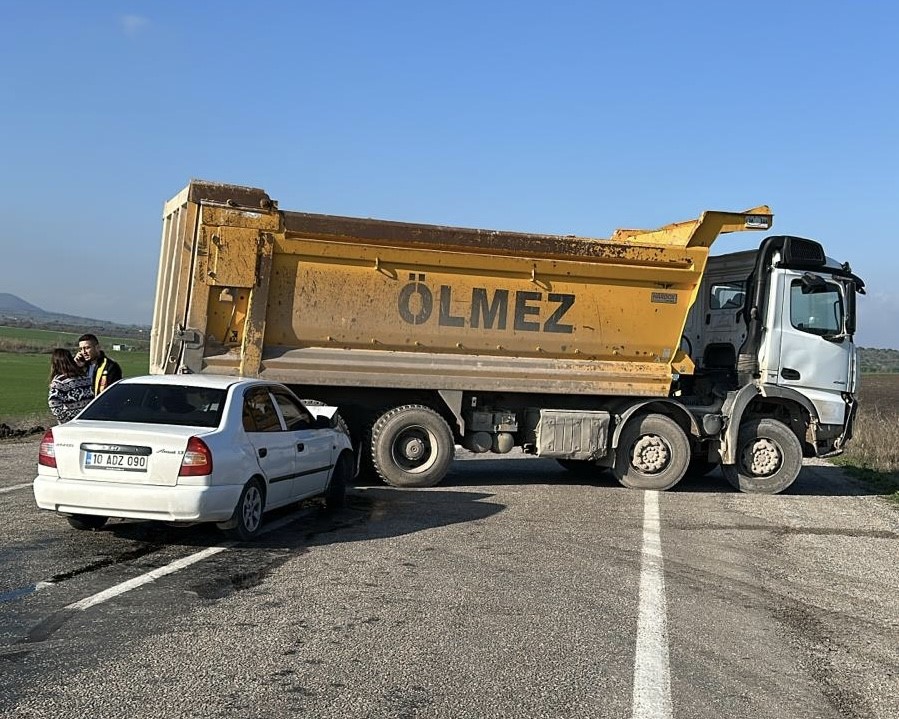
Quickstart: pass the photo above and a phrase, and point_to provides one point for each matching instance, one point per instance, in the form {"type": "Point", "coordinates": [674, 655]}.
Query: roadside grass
{"type": "Point", "coordinates": [873, 453]}
{"type": "Point", "coordinates": [24, 379]}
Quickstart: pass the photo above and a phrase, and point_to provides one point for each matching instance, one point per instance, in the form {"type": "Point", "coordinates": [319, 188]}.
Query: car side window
{"type": "Point", "coordinates": [259, 413]}
{"type": "Point", "coordinates": [295, 415]}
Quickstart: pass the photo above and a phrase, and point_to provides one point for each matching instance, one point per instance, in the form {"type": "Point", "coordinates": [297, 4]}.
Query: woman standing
{"type": "Point", "coordinates": [70, 387]}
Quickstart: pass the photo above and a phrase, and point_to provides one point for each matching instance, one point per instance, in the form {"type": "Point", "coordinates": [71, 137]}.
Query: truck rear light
{"type": "Point", "coordinates": [197, 460]}
{"type": "Point", "coordinates": [47, 452]}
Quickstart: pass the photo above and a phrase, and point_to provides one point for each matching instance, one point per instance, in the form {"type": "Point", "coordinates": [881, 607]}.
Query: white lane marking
{"type": "Point", "coordinates": [3, 490]}
{"type": "Point", "coordinates": [151, 576]}
{"type": "Point", "coordinates": [652, 681]}
{"type": "Point", "coordinates": [171, 568]}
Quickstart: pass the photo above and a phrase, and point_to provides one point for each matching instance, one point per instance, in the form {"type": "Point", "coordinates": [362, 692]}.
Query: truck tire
{"type": "Point", "coordinates": [653, 453]}
{"type": "Point", "coordinates": [769, 457]}
{"type": "Point", "coordinates": [411, 446]}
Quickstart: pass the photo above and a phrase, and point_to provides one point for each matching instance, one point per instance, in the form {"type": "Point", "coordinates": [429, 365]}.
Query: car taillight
{"type": "Point", "coordinates": [197, 460]}
{"type": "Point", "coordinates": [47, 453]}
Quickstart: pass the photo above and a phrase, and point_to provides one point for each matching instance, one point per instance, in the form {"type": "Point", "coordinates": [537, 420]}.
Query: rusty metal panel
{"type": "Point", "coordinates": [219, 216]}
{"type": "Point", "coordinates": [416, 369]}
{"type": "Point", "coordinates": [692, 233]}
{"type": "Point", "coordinates": [231, 195]}
{"type": "Point", "coordinates": [173, 283]}
{"type": "Point", "coordinates": [319, 298]}
{"type": "Point", "coordinates": [570, 434]}
{"type": "Point", "coordinates": [232, 256]}
{"type": "Point", "coordinates": [254, 333]}
{"type": "Point", "coordinates": [411, 301]}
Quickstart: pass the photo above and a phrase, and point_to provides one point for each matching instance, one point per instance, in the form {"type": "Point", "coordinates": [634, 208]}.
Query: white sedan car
{"type": "Point", "coordinates": [192, 448]}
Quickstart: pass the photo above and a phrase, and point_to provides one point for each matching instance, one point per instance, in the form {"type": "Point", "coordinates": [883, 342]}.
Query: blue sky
{"type": "Point", "coordinates": [570, 118]}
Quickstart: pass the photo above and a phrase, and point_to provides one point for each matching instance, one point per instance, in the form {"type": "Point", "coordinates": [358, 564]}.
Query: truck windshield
{"type": "Point", "coordinates": [816, 309]}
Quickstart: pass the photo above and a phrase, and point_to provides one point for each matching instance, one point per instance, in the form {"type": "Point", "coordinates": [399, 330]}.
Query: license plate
{"type": "Point", "coordinates": [111, 460]}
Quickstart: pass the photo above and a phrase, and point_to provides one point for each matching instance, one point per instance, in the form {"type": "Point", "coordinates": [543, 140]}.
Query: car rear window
{"type": "Point", "coordinates": [158, 404]}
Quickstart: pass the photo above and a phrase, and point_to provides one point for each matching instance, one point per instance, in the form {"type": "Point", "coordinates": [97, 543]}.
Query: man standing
{"type": "Point", "coordinates": [102, 371]}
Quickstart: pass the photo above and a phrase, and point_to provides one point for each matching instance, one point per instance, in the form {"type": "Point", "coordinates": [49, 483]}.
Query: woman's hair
{"type": "Point", "coordinates": [62, 363]}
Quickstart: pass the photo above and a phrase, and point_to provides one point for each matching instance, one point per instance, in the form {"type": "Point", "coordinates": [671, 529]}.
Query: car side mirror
{"type": "Point", "coordinates": [321, 422]}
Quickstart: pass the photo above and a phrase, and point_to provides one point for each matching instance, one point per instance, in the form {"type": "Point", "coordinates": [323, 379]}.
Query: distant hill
{"type": "Point", "coordinates": [10, 304]}
{"type": "Point", "coordinates": [16, 312]}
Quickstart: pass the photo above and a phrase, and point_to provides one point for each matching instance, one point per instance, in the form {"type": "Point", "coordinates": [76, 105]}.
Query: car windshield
{"type": "Point", "coordinates": [158, 404]}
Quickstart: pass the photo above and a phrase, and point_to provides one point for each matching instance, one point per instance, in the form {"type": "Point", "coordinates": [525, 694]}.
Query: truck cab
{"type": "Point", "coordinates": [772, 335]}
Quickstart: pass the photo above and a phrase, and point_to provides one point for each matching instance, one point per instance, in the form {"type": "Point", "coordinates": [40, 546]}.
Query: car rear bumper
{"type": "Point", "coordinates": [109, 499]}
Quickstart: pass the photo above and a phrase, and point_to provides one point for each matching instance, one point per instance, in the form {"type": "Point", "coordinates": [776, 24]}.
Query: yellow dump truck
{"type": "Point", "coordinates": [574, 348]}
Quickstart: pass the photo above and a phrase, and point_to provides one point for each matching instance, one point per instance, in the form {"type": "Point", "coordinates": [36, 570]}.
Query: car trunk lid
{"type": "Point", "coordinates": [121, 452]}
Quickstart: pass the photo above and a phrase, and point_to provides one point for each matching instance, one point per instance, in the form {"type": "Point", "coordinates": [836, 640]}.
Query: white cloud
{"type": "Point", "coordinates": [133, 24]}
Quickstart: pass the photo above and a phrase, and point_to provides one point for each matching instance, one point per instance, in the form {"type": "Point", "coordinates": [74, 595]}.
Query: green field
{"type": "Point", "coordinates": [24, 379]}
{"type": "Point", "coordinates": [37, 340]}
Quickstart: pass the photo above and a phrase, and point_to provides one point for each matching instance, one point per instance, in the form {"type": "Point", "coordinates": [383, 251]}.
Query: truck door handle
{"type": "Point", "coordinates": [788, 373]}
{"type": "Point", "coordinates": [263, 451]}
{"type": "Point", "coordinates": [301, 447]}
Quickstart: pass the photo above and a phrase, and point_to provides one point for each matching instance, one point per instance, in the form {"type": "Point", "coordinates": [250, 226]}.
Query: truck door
{"type": "Point", "coordinates": [815, 352]}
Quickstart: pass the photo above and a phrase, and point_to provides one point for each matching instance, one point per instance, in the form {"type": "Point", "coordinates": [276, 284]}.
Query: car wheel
{"type": "Point", "coordinates": [412, 446]}
{"type": "Point", "coordinates": [248, 512]}
{"type": "Point", "coordinates": [653, 453]}
{"type": "Point", "coordinates": [769, 457]}
{"type": "Point", "coordinates": [335, 495]}
{"type": "Point", "coordinates": [86, 522]}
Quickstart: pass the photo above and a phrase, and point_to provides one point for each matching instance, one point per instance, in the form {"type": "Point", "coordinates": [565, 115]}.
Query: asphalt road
{"type": "Point", "coordinates": [512, 590]}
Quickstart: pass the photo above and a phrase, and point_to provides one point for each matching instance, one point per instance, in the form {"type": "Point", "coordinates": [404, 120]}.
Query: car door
{"type": "Point", "coordinates": [314, 446]}
{"type": "Point", "coordinates": [275, 447]}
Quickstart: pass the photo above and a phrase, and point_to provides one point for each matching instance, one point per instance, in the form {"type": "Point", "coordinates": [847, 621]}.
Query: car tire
{"type": "Point", "coordinates": [86, 522]}
{"type": "Point", "coordinates": [412, 446]}
{"type": "Point", "coordinates": [247, 517]}
{"type": "Point", "coordinates": [335, 494]}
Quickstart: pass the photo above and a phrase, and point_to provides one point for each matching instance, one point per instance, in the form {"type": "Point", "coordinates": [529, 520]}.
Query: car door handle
{"type": "Point", "coordinates": [263, 451]}
{"type": "Point", "coordinates": [301, 447]}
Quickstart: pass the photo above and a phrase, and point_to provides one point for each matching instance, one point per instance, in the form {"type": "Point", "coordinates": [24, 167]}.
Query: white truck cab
{"type": "Point", "coordinates": [771, 333]}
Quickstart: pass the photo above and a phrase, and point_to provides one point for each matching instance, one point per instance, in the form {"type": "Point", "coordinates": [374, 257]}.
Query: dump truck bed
{"type": "Point", "coordinates": [245, 288]}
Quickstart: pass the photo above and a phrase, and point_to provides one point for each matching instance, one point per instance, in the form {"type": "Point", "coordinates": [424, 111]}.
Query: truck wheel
{"type": "Point", "coordinates": [653, 453]}
{"type": "Point", "coordinates": [769, 457]}
{"type": "Point", "coordinates": [411, 446]}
